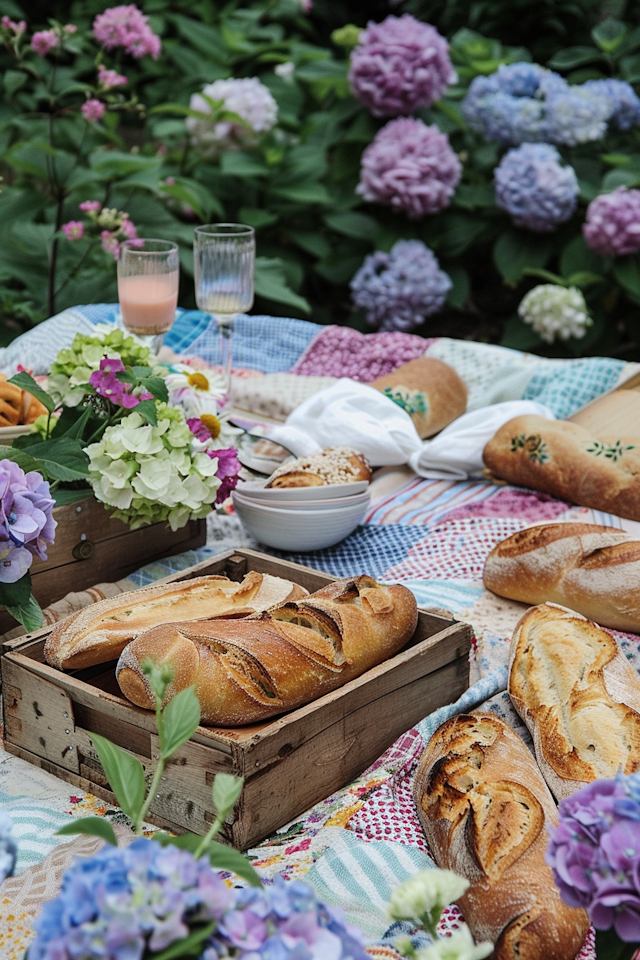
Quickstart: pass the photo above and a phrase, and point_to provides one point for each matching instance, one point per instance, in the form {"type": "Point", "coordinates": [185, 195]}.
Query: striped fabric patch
{"type": "Point", "coordinates": [426, 501]}
{"type": "Point", "coordinates": [34, 826]}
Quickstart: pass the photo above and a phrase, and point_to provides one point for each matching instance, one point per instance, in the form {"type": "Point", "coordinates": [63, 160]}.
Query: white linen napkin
{"type": "Point", "coordinates": [352, 414]}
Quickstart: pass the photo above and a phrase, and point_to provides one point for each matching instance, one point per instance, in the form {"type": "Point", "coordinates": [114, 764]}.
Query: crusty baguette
{"type": "Point", "coordinates": [332, 465]}
{"type": "Point", "coordinates": [250, 670]}
{"type": "Point", "coordinates": [578, 695]}
{"type": "Point", "coordinates": [566, 461]}
{"type": "Point", "coordinates": [591, 569]}
{"type": "Point", "coordinates": [483, 804]}
{"type": "Point", "coordinates": [430, 390]}
{"type": "Point", "coordinates": [99, 633]}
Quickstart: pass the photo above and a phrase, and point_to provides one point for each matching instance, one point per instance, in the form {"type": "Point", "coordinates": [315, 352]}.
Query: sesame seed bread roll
{"type": "Point", "coordinates": [578, 695]}
{"type": "Point", "coordinates": [483, 806]}
{"type": "Point", "coordinates": [100, 632]}
{"type": "Point", "coordinates": [431, 391]}
{"type": "Point", "coordinates": [591, 569]}
{"type": "Point", "coordinates": [246, 671]}
{"type": "Point", "coordinates": [332, 465]}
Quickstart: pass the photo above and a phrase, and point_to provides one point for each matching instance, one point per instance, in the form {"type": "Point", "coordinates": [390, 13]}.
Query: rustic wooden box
{"type": "Point", "coordinates": [91, 548]}
{"type": "Point", "coordinates": [288, 763]}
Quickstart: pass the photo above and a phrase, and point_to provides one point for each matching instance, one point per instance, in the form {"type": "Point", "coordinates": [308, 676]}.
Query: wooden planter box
{"type": "Point", "coordinates": [288, 763]}
{"type": "Point", "coordinates": [92, 548]}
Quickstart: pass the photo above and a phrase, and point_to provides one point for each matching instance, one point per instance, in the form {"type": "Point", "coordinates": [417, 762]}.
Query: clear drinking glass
{"type": "Point", "coordinates": [148, 273]}
{"type": "Point", "coordinates": [224, 260]}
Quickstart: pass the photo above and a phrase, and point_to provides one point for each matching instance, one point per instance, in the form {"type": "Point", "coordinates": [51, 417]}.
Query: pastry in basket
{"type": "Point", "coordinates": [483, 806]}
{"type": "Point", "coordinates": [249, 670]}
{"type": "Point", "coordinates": [431, 391]}
{"type": "Point", "coordinates": [17, 407]}
{"type": "Point", "coordinates": [332, 465]}
{"type": "Point", "coordinates": [592, 569]}
{"type": "Point", "coordinates": [578, 695]}
{"type": "Point", "coordinates": [99, 633]}
{"type": "Point", "coordinates": [566, 461]}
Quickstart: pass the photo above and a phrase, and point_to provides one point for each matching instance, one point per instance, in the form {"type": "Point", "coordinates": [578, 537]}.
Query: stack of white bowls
{"type": "Point", "coordinates": [301, 518]}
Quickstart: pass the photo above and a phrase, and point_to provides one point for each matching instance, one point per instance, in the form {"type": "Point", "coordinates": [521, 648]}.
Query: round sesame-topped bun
{"type": "Point", "coordinates": [332, 465]}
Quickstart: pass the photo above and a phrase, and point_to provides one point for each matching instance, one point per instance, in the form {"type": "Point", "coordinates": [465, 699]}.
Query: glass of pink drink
{"type": "Point", "coordinates": [148, 272]}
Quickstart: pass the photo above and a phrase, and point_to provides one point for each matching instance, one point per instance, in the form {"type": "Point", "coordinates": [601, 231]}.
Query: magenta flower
{"type": "Point", "coordinates": [108, 79]}
{"type": "Point", "coordinates": [228, 471]}
{"type": "Point", "coordinates": [26, 520]}
{"type": "Point", "coordinates": [126, 26]}
{"type": "Point", "coordinates": [90, 206]}
{"type": "Point", "coordinates": [106, 384]}
{"type": "Point", "coordinates": [409, 166]}
{"type": "Point", "coordinates": [70, 28]}
{"type": "Point", "coordinates": [74, 230]}
{"type": "Point", "coordinates": [594, 853]}
{"type": "Point", "coordinates": [16, 28]}
{"type": "Point", "coordinates": [129, 229]}
{"type": "Point", "coordinates": [399, 65]}
{"type": "Point", "coordinates": [612, 227]}
{"type": "Point", "coordinates": [43, 41]}
{"type": "Point", "coordinates": [109, 243]}
{"type": "Point", "coordinates": [92, 110]}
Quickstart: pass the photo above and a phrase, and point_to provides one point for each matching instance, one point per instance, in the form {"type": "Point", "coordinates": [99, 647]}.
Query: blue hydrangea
{"type": "Point", "coordinates": [526, 103]}
{"type": "Point", "coordinates": [8, 850]}
{"type": "Point", "coordinates": [397, 290]}
{"type": "Point", "coordinates": [622, 98]}
{"type": "Point", "coordinates": [535, 188]}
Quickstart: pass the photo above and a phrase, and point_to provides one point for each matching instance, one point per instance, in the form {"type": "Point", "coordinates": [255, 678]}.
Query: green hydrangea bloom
{"type": "Point", "coordinates": [74, 365]}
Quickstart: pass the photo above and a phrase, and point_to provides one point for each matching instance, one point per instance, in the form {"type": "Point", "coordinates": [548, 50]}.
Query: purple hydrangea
{"type": "Point", "coordinates": [135, 901]}
{"type": "Point", "coordinates": [523, 102]}
{"type": "Point", "coordinates": [535, 188]}
{"type": "Point", "coordinates": [399, 65]}
{"type": "Point", "coordinates": [409, 166]}
{"type": "Point", "coordinates": [397, 290]}
{"type": "Point", "coordinates": [594, 853]}
{"type": "Point", "coordinates": [106, 384]}
{"type": "Point", "coordinates": [26, 520]}
{"type": "Point", "coordinates": [612, 226]}
{"type": "Point", "coordinates": [622, 98]}
{"type": "Point", "coordinates": [8, 851]}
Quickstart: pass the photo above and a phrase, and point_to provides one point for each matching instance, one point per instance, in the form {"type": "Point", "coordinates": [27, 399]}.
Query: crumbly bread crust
{"type": "Point", "coordinates": [99, 633]}
{"type": "Point", "coordinates": [430, 390]}
{"type": "Point", "coordinates": [591, 569]}
{"type": "Point", "coordinates": [332, 465]}
{"type": "Point", "coordinates": [578, 695]}
{"type": "Point", "coordinates": [566, 461]}
{"type": "Point", "coordinates": [483, 805]}
{"type": "Point", "coordinates": [247, 671]}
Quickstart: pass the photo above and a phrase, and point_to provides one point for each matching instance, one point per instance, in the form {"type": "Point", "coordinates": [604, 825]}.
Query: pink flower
{"type": "Point", "coordinates": [109, 243]}
{"type": "Point", "coordinates": [126, 26]}
{"type": "Point", "coordinates": [90, 206]}
{"type": "Point", "coordinates": [110, 78]}
{"type": "Point", "coordinates": [129, 230]}
{"type": "Point", "coordinates": [70, 28]}
{"type": "Point", "coordinates": [16, 28]}
{"type": "Point", "coordinates": [74, 230]}
{"type": "Point", "coordinates": [43, 41]}
{"type": "Point", "coordinates": [612, 226]}
{"type": "Point", "coordinates": [92, 110]}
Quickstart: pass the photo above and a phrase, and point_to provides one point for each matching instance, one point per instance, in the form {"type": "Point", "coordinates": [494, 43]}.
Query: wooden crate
{"type": "Point", "coordinates": [288, 763]}
{"type": "Point", "coordinates": [91, 548]}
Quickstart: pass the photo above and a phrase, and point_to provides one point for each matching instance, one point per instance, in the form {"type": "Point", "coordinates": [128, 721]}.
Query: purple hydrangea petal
{"type": "Point", "coordinates": [612, 226]}
{"type": "Point", "coordinates": [535, 188]}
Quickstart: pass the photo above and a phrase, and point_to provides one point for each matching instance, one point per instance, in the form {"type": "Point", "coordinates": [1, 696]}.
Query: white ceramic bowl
{"type": "Point", "coordinates": [299, 530]}
{"type": "Point", "coordinates": [329, 491]}
{"type": "Point", "coordinates": [305, 504]}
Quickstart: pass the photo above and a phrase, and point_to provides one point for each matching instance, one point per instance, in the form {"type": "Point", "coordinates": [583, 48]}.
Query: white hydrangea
{"type": "Point", "coordinates": [555, 311]}
{"type": "Point", "coordinates": [458, 946]}
{"type": "Point", "coordinates": [152, 473]}
{"type": "Point", "coordinates": [248, 98]}
{"type": "Point", "coordinates": [425, 894]}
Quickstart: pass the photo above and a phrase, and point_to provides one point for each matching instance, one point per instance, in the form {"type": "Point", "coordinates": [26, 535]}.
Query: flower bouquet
{"type": "Point", "coordinates": [150, 441]}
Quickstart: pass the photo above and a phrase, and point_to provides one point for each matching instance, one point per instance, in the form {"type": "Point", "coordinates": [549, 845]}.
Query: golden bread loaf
{"type": "Point", "coordinates": [578, 695]}
{"type": "Point", "coordinates": [431, 391]}
{"type": "Point", "coordinates": [566, 461]}
{"type": "Point", "coordinates": [332, 465]}
{"type": "Point", "coordinates": [592, 569]}
{"type": "Point", "coordinates": [10, 403]}
{"type": "Point", "coordinates": [99, 633]}
{"type": "Point", "coordinates": [249, 670]}
{"type": "Point", "coordinates": [483, 806]}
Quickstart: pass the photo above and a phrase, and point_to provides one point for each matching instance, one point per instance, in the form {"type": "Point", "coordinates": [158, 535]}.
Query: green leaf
{"type": "Point", "coordinates": [271, 283]}
{"type": "Point", "coordinates": [63, 458]}
{"type": "Point", "coordinates": [584, 278]}
{"type": "Point", "coordinates": [226, 792]}
{"type": "Point", "coordinates": [577, 257]}
{"type": "Point", "coordinates": [148, 410]}
{"type": "Point", "coordinates": [610, 947]}
{"type": "Point", "coordinates": [609, 34]}
{"type": "Point", "coordinates": [14, 80]}
{"type": "Point", "coordinates": [459, 292]}
{"type": "Point", "coordinates": [572, 57]}
{"type": "Point", "coordinates": [519, 336]}
{"type": "Point", "coordinates": [181, 720]}
{"type": "Point", "coordinates": [124, 773]}
{"type": "Point", "coordinates": [627, 273]}
{"type": "Point", "coordinates": [304, 193]}
{"type": "Point", "coordinates": [17, 593]}
{"type": "Point", "coordinates": [516, 250]}
{"type": "Point", "coordinates": [28, 614]}
{"type": "Point", "coordinates": [226, 858]}
{"type": "Point", "coordinates": [65, 495]}
{"type": "Point", "coordinates": [309, 240]}
{"type": "Point", "coordinates": [242, 165]}
{"type": "Point", "coordinates": [157, 387]}
{"type": "Point", "coordinates": [91, 827]}
{"type": "Point", "coordinates": [190, 947]}
{"type": "Point", "coordinates": [353, 224]}
{"type": "Point", "coordinates": [26, 382]}
{"type": "Point", "coordinates": [620, 178]}
{"type": "Point", "coordinates": [15, 454]}
{"type": "Point", "coordinates": [544, 275]}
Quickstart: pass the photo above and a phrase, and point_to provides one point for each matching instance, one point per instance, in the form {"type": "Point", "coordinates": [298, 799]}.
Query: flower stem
{"type": "Point", "coordinates": [157, 774]}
